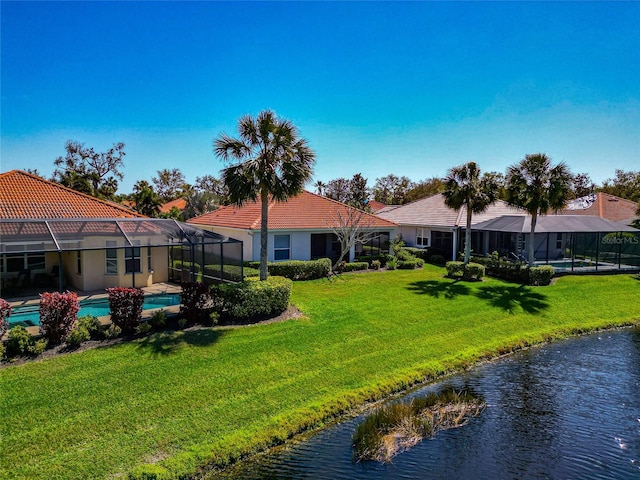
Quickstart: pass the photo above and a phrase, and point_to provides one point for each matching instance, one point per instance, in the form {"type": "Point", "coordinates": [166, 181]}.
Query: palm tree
{"type": "Point", "coordinates": [320, 186]}
{"type": "Point", "coordinates": [465, 188]}
{"type": "Point", "coordinates": [537, 187]}
{"type": "Point", "coordinates": [271, 162]}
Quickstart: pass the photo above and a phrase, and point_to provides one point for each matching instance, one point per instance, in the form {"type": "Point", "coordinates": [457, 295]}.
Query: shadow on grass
{"type": "Point", "coordinates": [508, 298]}
{"type": "Point", "coordinates": [167, 343]}
{"type": "Point", "coordinates": [440, 288]}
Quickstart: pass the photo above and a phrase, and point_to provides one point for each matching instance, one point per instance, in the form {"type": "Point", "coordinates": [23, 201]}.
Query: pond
{"type": "Point", "coordinates": [563, 410]}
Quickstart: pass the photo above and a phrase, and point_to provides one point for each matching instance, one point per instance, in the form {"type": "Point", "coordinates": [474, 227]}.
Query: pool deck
{"type": "Point", "coordinates": [155, 289]}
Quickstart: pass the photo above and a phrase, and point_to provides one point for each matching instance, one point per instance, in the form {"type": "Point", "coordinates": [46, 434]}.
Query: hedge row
{"type": "Point", "coordinates": [252, 297]}
{"type": "Point", "coordinates": [297, 269]}
{"type": "Point", "coordinates": [471, 271]}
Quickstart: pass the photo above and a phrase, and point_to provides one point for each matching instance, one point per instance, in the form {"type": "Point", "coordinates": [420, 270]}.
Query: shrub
{"type": "Point", "coordinates": [158, 320]}
{"type": "Point", "coordinates": [58, 314]}
{"type": "Point", "coordinates": [355, 266]}
{"type": "Point", "coordinates": [473, 271]}
{"type": "Point", "coordinates": [296, 269]}
{"type": "Point", "coordinates": [78, 335]}
{"type": "Point", "coordinates": [392, 264]}
{"type": "Point", "coordinates": [253, 297]}
{"type": "Point", "coordinates": [195, 299]}
{"type": "Point", "coordinates": [410, 264]}
{"type": "Point", "coordinates": [437, 260]}
{"type": "Point", "coordinates": [18, 341]}
{"type": "Point", "coordinates": [506, 270]}
{"type": "Point", "coordinates": [376, 264]}
{"type": "Point", "coordinates": [5, 313]}
{"type": "Point", "coordinates": [38, 347]}
{"type": "Point", "coordinates": [182, 322]}
{"type": "Point", "coordinates": [125, 306]}
{"type": "Point", "coordinates": [112, 331]}
{"type": "Point", "coordinates": [381, 259]}
{"type": "Point", "coordinates": [93, 326]}
{"type": "Point", "coordinates": [421, 253]}
{"type": "Point", "coordinates": [540, 276]}
{"type": "Point", "coordinates": [455, 269]}
{"type": "Point", "coordinates": [144, 328]}
{"type": "Point", "coordinates": [1, 350]}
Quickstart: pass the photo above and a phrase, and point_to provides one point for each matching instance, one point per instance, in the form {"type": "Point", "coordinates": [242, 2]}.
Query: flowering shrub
{"type": "Point", "coordinates": [125, 306]}
{"type": "Point", "coordinates": [195, 300]}
{"type": "Point", "coordinates": [58, 314]}
{"type": "Point", "coordinates": [5, 312]}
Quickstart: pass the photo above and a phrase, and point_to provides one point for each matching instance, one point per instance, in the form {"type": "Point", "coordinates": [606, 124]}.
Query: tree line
{"type": "Point", "coordinates": [98, 173]}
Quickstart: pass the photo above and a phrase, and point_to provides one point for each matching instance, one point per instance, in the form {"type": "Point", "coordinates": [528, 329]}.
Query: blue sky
{"type": "Point", "coordinates": [406, 88]}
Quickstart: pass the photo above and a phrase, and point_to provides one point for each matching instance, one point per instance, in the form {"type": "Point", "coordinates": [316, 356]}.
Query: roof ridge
{"type": "Point", "coordinates": [75, 192]}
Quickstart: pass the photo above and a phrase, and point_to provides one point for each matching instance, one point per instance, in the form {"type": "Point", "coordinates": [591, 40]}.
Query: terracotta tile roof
{"type": "Point", "coordinates": [604, 206]}
{"type": "Point", "coordinates": [432, 211]}
{"type": "Point", "coordinates": [23, 195]}
{"type": "Point", "coordinates": [376, 206]}
{"type": "Point", "coordinates": [306, 211]}
{"type": "Point", "coordinates": [179, 203]}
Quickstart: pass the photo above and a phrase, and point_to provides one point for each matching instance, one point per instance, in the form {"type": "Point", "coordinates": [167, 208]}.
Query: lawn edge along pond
{"type": "Point", "coordinates": [178, 404]}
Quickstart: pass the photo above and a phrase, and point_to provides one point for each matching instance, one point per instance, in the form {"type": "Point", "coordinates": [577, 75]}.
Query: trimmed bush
{"type": "Point", "coordinates": [375, 264]}
{"type": "Point", "coordinates": [392, 264]}
{"type": "Point", "coordinates": [410, 264]}
{"type": "Point", "coordinates": [541, 276]}
{"type": "Point", "coordinates": [38, 347]}
{"type": "Point", "coordinates": [252, 298]}
{"type": "Point", "coordinates": [455, 269]}
{"type": "Point", "coordinates": [58, 315]}
{"type": "Point", "coordinates": [421, 253]}
{"type": "Point", "coordinates": [5, 313]}
{"type": "Point", "coordinates": [382, 259]}
{"type": "Point", "coordinates": [511, 271]}
{"type": "Point", "coordinates": [126, 307]}
{"type": "Point", "coordinates": [355, 266]}
{"type": "Point", "coordinates": [296, 269]}
{"type": "Point", "coordinates": [473, 271]}
{"type": "Point", "coordinates": [144, 328]}
{"type": "Point", "coordinates": [195, 301]}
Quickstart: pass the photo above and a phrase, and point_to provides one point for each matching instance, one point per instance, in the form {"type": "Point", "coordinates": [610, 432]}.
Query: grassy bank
{"type": "Point", "coordinates": [183, 399]}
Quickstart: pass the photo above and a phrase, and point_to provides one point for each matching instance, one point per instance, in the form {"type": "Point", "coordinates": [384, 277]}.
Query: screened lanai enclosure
{"type": "Point", "coordinates": [569, 243]}
{"type": "Point", "coordinates": [93, 254]}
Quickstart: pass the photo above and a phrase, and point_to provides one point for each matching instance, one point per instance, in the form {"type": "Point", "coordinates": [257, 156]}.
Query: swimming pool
{"type": "Point", "coordinates": [29, 315]}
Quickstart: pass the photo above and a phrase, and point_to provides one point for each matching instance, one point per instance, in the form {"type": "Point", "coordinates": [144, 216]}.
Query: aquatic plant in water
{"type": "Point", "coordinates": [397, 427]}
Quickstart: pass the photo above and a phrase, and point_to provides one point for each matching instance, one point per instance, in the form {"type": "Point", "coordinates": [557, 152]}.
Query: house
{"type": "Point", "coordinates": [53, 236]}
{"type": "Point", "coordinates": [603, 205]}
{"type": "Point", "coordinates": [179, 203]}
{"type": "Point", "coordinates": [428, 222]}
{"type": "Point", "coordinates": [597, 243]}
{"type": "Point", "coordinates": [299, 228]}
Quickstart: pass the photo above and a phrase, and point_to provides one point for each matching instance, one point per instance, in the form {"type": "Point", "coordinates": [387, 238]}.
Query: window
{"type": "Point", "coordinates": [111, 258]}
{"type": "Point", "coordinates": [422, 237]}
{"type": "Point", "coordinates": [132, 259]}
{"type": "Point", "coordinates": [149, 264]}
{"type": "Point", "coordinates": [559, 241]}
{"type": "Point", "coordinates": [15, 262]}
{"type": "Point", "coordinates": [282, 247]}
{"type": "Point", "coordinates": [79, 262]}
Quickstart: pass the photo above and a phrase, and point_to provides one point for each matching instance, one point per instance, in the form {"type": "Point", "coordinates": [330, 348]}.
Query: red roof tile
{"type": "Point", "coordinates": [376, 206]}
{"type": "Point", "coordinates": [179, 203]}
{"type": "Point", "coordinates": [306, 211]}
{"type": "Point", "coordinates": [23, 195]}
{"type": "Point", "coordinates": [604, 206]}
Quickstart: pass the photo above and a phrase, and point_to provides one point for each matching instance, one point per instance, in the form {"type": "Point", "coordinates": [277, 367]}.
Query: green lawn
{"type": "Point", "coordinates": [184, 399]}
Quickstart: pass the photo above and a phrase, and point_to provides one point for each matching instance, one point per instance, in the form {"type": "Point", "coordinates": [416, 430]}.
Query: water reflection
{"type": "Point", "coordinates": [565, 410]}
